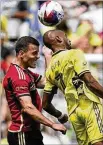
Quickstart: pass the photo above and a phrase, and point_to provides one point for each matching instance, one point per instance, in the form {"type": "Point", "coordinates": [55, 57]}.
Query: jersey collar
{"type": "Point", "coordinates": [18, 66]}
{"type": "Point", "coordinates": [58, 51]}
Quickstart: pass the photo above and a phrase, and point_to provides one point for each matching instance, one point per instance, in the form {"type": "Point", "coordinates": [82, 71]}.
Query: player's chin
{"type": "Point", "coordinates": [33, 66]}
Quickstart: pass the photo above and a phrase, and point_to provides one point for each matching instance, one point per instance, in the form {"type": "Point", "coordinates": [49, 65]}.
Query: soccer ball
{"type": "Point", "coordinates": [50, 13]}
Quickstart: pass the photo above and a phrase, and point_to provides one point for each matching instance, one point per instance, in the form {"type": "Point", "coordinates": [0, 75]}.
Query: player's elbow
{"type": "Point", "coordinates": [28, 109]}
{"type": "Point", "coordinates": [41, 83]}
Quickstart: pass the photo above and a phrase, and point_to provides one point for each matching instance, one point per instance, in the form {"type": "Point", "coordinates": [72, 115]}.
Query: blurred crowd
{"type": "Point", "coordinates": [82, 24]}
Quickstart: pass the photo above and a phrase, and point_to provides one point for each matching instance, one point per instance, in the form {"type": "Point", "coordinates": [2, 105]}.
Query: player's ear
{"type": "Point", "coordinates": [58, 39]}
{"type": "Point", "coordinates": [21, 53]}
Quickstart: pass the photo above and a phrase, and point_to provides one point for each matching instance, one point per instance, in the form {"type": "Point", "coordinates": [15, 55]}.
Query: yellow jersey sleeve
{"type": "Point", "coordinates": [49, 87]}
{"type": "Point", "coordinates": [80, 63]}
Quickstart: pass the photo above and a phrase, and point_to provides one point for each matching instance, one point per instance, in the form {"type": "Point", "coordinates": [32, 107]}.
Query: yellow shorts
{"type": "Point", "coordinates": [87, 121]}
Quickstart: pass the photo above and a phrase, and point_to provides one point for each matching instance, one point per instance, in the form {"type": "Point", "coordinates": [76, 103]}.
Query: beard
{"type": "Point", "coordinates": [69, 46]}
{"type": "Point", "coordinates": [32, 64]}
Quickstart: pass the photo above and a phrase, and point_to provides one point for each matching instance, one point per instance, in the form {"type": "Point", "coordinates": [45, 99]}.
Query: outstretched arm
{"type": "Point", "coordinates": [30, 109]}
{"type": "Point", "coordinates": [92, 84]}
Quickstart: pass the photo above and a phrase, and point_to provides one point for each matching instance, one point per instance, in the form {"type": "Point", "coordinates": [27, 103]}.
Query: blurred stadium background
{"type": "Point", "coordinates": [82, 24]}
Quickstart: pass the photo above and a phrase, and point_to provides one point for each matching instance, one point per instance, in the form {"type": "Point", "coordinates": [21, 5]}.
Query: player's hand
{"type": "Point", "coordinates": [63, 118]}
{"type": "Point", "coordinates": [59, 127]}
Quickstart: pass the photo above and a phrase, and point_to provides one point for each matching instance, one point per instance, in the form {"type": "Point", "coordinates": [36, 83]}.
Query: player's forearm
{"type": "Point", "coordinates": [49, 108]}
{"type": "Point", "coordinates": [36, 115]}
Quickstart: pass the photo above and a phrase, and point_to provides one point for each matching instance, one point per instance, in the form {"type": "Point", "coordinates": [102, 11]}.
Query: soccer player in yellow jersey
{"type": "Point", "coordinates": [68, 71]}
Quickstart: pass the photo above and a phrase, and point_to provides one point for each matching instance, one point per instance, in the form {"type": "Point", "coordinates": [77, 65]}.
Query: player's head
{"type": "Point", "coordinates": [27, 51]}
{"type": "Point", "coordinates": [56, 39]}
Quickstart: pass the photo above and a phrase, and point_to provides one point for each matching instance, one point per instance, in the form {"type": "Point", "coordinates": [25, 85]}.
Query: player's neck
{"type": "Point", "coordinates": [19, 63]}
{"type": "Point", "coordinates": [58, 49]}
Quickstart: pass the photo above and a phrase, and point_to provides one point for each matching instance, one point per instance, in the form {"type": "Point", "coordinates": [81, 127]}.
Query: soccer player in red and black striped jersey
{"type": "Point", "coordinates": [23, 99]}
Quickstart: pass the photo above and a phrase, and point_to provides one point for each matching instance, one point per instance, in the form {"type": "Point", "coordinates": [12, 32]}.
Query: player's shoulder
{"type": "Point", "coordinates": [71, 52]}
{"type": "Point", "coordinates": [75, 53]}
{"type": "Point", "coordinates": [19, 72]}
{"type": "Point", "coordinates": [16, 72]}
{"type": "Point", "coordinates": [76, 50]}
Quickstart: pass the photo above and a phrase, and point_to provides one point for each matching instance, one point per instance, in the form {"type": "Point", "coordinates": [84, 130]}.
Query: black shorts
{"type": "Point", "coordinates": [24, 138]}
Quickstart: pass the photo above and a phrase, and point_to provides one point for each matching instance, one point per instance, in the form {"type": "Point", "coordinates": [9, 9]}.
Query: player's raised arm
{"type": "Point", "coordinates": [93, 84]}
